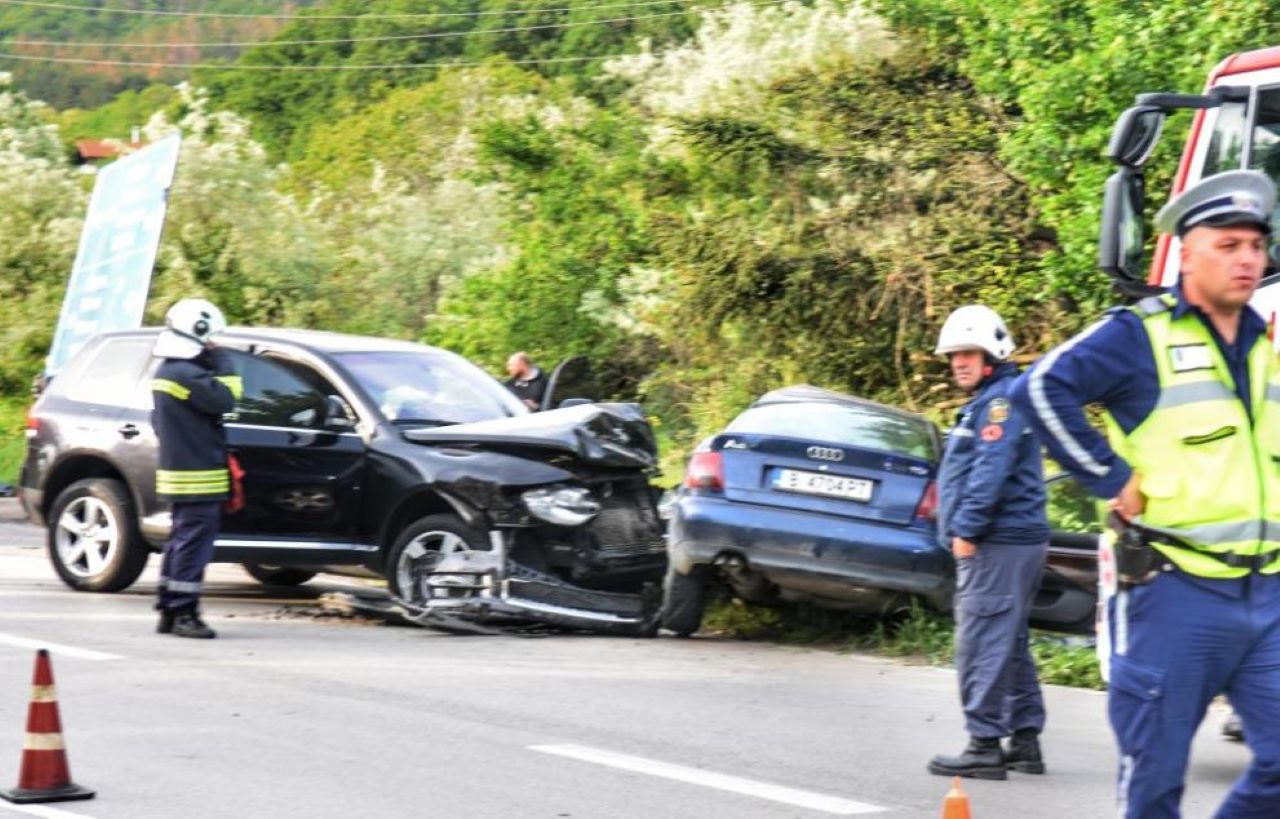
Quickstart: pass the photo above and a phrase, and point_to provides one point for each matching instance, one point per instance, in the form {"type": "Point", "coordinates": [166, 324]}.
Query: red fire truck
{"type": "Point", "coordinates": [1236, 126]}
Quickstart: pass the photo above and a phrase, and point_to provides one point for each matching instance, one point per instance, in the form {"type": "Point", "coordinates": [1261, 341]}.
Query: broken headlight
{"type": "Point", "coordinates": [563, 505]}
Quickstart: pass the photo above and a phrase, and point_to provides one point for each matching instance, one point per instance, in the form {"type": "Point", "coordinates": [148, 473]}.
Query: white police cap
{"type": "Point", "coordinates": [1231, 198]}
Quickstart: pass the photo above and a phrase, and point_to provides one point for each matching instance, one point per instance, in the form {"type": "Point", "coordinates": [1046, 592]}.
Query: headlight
{"type": "Point", "coordinates": [563, 506]}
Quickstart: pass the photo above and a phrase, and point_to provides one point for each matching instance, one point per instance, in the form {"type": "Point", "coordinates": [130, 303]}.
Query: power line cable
{"type": "Point", "coordinates": [246, 16]}
{"type": "Point", "coordinates": [387, 38]}
{"type": "Point", "coordinates": [300, 68]}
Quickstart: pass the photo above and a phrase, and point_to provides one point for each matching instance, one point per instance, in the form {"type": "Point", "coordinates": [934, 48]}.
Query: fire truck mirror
{"type": "Point", "coordinates": [1121, 244]}
{"type": "Point", "coordinates": [1135, 135]}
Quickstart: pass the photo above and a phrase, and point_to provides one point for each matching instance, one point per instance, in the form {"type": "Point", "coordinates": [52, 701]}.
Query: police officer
{"type": "Point", "coordinates": [1191, 465]}
{"type": "Point", "coordinates": [992, 518]}
{"type": "Point", "coordinates": [192, 389]}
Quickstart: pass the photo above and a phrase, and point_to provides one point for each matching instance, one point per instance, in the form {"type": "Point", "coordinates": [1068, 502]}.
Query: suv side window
{"type": "Point", "coordinates": [275, 397]}
{"type": "Point", "coordinates": [109, 371]}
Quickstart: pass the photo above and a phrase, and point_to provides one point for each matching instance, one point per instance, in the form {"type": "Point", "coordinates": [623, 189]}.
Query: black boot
{"type": "Point", "coordinates": [1023, 753]}
{"type": "Point", "coordinates": [1233, 729]}
{"type": "Point", "coordinates": [187, 623]}
{"type": "Point", "coordinates": [983, 759]}
{"type": "Point", "coordinates": [165, 626]}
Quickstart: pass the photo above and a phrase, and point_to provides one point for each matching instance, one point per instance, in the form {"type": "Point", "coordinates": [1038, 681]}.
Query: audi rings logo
{"type": "Point", "coordinates": [825, 453]}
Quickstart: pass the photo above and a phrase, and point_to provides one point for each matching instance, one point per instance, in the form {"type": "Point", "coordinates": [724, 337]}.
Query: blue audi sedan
{"type": "Point", "coordinates": [820, 497]}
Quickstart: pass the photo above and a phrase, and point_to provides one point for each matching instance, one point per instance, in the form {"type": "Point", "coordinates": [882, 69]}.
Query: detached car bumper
{"type": "Point", "coordinates": [783, 544]}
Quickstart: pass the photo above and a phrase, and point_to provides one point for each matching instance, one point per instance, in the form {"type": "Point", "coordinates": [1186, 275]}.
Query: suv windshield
{"type": "Point", "coordinates": [429, 387]}
{"type": "Point", "coordinates": [844, 424]}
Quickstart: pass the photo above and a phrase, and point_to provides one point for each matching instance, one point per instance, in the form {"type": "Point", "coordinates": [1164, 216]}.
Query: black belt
{"type": "Point", "coordinates": [1138, 563]}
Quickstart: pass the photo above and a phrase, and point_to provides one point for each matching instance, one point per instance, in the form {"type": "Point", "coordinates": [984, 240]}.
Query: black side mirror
{"type": "Point", "coordinates": [1135, 135]}
{"type": "Point", "coordinates": [338, 416]}
{"type": "Point", "coordinates": [1121, 244]}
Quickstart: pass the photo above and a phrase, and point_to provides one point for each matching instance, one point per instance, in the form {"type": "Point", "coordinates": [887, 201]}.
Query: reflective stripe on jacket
{"type": "Point", "coordinates": [1210, 473]}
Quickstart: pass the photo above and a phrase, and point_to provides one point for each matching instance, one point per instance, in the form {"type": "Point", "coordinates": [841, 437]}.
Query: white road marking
{"type": "Point", "coordinates": [41, 810]}
{"type": "Point", "coordinates": [711, 779]}
{"type": "Point", "coordinates": [55, 648]}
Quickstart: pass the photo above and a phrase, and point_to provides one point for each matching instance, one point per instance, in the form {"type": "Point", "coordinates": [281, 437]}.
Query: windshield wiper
{"type": "Point", "coordinates": [423, 422]}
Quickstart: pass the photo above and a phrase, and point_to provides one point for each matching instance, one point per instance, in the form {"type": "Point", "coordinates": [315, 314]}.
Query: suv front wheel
{"type": "Point", "coordinates": [418, 548]}
{"type": "Point", "coordinates": [94, 542]}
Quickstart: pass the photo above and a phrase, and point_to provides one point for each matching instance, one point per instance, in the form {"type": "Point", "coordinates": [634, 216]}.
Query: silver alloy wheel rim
{"type": "Point", "coordinates": [87, 537]}
{"type": "Point", "coordinates": [436, 541]}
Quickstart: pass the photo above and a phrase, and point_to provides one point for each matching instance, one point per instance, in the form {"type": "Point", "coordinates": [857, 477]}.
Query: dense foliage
{"type": "Point", "coordinates": [567, 40]}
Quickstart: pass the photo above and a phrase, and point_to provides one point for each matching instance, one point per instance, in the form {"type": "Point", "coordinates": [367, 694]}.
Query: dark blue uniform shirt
{"type": "Point", "coordinates": [990, 484]}
{"type": "Point", "coordinates": [1112, 363]}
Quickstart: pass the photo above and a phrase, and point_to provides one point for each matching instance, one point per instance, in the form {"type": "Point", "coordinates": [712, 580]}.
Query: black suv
{"type": "Point", "coordinates": [404, 459]}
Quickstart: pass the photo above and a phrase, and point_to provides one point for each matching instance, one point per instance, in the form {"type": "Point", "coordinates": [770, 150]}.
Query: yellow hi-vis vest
{"type": "Point", "coordinates": [1211, 477]}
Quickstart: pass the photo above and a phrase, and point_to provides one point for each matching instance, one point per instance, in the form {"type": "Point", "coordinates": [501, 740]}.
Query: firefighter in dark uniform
{"type": "Point", "coordinates": [192, 389]}
{"type": "Point", "coordinates": [991, 515]}
{"type": "Point", "coordinates": [1190, 389]}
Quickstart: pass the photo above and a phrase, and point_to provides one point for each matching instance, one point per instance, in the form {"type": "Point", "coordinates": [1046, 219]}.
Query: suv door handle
{"type": "Point", "coordinates": [129, 430]}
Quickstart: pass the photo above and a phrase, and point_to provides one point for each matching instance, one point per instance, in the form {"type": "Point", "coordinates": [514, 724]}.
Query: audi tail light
{"type": "Point", "coordinates": [706, 471]}
{"type": "Point", "coordinates": [928, 508]}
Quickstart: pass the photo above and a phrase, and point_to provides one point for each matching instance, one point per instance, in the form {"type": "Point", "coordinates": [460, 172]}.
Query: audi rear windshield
{"type": "Point", "coordinates": [842, 424]}
{"type": "Point", "coordinates": [429, 388]}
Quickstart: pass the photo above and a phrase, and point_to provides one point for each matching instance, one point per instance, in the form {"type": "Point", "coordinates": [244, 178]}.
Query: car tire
{"type": "Point", "coordinates": [277, 575]}
{"type": "Point", "coordinates": [93, 538]}
{"type": "Point", "coordinates": [684, 600]}
{"type": "Point", "coordinates": [432, 534]}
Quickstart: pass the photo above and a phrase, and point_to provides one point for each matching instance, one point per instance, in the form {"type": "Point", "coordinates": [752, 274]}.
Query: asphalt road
{"type": "Point", "coordinates": [293, 714]}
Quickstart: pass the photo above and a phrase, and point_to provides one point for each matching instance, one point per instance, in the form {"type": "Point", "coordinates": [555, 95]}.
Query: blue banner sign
{"type": "Point", "coordinates": [117, 253]}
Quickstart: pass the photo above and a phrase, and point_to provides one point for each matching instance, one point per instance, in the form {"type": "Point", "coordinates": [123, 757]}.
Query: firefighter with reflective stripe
{"type": "Point", "coordinates": [1190, 387]}
{"type": "Point", "coordinates": [192, 389]}
{"type": "Point", "coordinates": [992, 518]}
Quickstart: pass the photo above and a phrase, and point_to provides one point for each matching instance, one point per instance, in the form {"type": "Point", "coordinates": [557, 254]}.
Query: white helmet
{"type": "Point", "coordinates": [189, 324]}
{"type": "Point", "coordinates": [975, 327]}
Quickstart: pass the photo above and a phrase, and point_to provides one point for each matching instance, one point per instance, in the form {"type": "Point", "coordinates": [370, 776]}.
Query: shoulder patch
{"type": "Point", "coordinates": [992, 433]}
{"type": "Point", "coordinates": [997, 411]}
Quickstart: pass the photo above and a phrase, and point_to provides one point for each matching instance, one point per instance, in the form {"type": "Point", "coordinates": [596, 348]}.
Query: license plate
{"type": "Point", "coordinates": [816, 483]}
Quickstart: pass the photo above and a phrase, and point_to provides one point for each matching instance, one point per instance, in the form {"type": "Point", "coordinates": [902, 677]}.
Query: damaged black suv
{"type": "Point", "coordinates": [403, 459]}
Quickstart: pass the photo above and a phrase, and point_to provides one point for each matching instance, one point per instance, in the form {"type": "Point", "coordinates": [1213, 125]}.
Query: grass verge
{"type": "Point", "coordinates": [13, 441]}
{"type": "Point", "coordinates": [919, 634]}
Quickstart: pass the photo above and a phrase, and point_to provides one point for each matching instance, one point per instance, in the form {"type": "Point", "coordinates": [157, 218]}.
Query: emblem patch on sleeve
{"type": "Point", "coordinates": [992, 433]}
{"type": "Point", "coordinates": [997, 411]}
{"type": "Point", "coordinates": [1188, 357]}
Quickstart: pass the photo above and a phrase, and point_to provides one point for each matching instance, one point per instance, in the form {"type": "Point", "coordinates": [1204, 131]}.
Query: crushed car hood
{"type": "Point", "coordinates": [604, 434]}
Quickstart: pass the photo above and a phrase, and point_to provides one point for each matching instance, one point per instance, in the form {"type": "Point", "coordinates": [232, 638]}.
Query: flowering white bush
{"type": "Point", "coordinates": [742, 48]}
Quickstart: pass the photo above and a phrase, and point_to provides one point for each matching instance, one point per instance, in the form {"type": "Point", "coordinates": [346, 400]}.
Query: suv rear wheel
{"type": "Point", "coordinates": [94, 542]}
{"type": "Point", "coordinates": [277, 575]}
{"type": "Point", "coordinates": [418, 546]}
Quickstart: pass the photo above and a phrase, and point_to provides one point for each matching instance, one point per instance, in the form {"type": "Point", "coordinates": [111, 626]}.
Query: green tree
{"type": "Point", "coordinates": [39, 224]}
{"type": "Point", "coordinates": [1062, 72]}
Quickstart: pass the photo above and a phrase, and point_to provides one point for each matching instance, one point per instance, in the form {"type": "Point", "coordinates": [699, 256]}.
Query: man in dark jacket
{"type": "Point", "coordinates": [192, 389]}
{"type": "Point", "coordinates": [527, 382]}
{"type": "Point", "coordinates": [992, 518]}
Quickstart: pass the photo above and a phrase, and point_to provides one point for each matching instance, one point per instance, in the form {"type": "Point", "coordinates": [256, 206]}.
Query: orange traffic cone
{"type": "Point", "coordinates": [956, 803]}
{"type": "Point", "coordinates": [44, 776]}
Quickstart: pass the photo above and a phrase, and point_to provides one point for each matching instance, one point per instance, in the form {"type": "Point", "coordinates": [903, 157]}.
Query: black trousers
{"type": "Point", "coordinates": [187, 553]}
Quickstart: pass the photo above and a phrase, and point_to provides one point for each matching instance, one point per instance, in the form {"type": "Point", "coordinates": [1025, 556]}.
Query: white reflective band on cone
{"type": "Point", "coordinates": [43, 742]}
{"type": "Point", "coordinates": [43, 693]}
